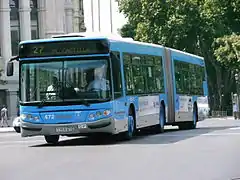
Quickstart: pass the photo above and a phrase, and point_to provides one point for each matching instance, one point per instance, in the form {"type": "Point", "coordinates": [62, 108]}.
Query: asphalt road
{"type": "Point", "coordinates": [211, 152]}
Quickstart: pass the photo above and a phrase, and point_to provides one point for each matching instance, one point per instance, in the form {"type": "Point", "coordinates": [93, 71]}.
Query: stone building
{"type": "Point", "coordinates": [32, 19]}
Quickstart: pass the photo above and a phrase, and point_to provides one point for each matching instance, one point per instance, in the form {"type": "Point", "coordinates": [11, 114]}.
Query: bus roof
{"type": "Point", "coordinates": [109, 37]}
{"type": "Point", "coordinates": [59, 39]}
{"type": "Point", "coordinates": [78, 36]}
{"type": "Point", "coordinates": [186, 53]}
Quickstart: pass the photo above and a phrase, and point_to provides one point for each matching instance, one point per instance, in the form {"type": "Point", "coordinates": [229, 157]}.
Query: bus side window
{"type": "Point", "coordinates": [128, 74]}
{"type": "Point", "coordinates": [116, 70]}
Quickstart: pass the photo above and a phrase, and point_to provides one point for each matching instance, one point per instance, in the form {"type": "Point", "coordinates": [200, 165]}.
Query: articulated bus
{"type": "Point", "coordinates": [74, 85]}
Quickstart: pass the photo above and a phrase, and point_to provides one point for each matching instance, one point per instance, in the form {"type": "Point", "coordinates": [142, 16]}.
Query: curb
{"type": "Point", "coordinates": [220, 118]}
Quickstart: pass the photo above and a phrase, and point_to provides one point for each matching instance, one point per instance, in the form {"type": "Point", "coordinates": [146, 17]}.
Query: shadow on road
{"type": "Point", "coordinates": [146, 137]}
{"type": "Point", "coordinates": [173, 136]}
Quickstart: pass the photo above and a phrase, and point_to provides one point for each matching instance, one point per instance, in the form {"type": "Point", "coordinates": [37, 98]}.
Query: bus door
{"type": "Point", "coordinates": [119, 104]}
{"type": "Point", "coordinates": [170, 87]}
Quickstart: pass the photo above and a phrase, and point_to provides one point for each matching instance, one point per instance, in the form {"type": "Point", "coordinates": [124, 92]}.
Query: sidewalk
{"type": "Point", "coordinates": [222, 118]}
{"type": "Point", "coordinates": [6, 129]}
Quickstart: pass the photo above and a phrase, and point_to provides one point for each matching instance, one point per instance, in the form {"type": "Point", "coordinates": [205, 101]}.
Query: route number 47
{"type": "Point", "coordinates": [38, 50]}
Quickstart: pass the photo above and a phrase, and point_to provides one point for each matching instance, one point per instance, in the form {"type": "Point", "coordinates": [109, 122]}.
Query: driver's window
{"type": "Point", "coordinates": [101, 80]}
{"type": "Point", "coordinates": [117, 78]}
{"type": "Point", "coordinates": [87, 75]}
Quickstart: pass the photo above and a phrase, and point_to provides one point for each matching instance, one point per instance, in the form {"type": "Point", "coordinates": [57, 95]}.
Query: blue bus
{"type": "Point", "coordinates": [74, 85]}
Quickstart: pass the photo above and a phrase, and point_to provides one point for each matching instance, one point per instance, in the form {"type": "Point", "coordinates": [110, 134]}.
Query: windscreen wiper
{"type": "Point", "coordinates": [102, 100]}
{"type": "Point", "coordinates": [40, 105]}
{"type": "Point", "coordinates": [85, 102]}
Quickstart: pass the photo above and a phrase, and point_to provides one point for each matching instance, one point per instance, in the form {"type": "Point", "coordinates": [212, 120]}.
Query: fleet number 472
{"type": "Point", "coordinates": [49, 116]}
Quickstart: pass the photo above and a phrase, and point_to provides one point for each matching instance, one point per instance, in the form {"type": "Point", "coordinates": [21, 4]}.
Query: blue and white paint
{"type": "Point", "coordinates": [177, 108]}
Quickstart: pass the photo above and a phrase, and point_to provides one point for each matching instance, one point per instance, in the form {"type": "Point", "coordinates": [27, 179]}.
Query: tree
{"type": "Point", "coordinates": [188, 25]}
{"type": "Point", "coordinates": [128, 30]}
{"type": "Point", "coordinates": [227, 50]}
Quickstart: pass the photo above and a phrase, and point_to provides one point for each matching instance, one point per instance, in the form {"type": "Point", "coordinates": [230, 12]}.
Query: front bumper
{"type": "Point", "coordinates": [101, 126]}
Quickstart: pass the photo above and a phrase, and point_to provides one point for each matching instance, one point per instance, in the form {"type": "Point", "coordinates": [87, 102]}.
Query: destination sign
{"type": "Point", "coordinates": [64, 48]}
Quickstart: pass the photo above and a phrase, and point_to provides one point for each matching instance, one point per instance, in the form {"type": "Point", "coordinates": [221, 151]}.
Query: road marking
{"type": "Point", "coordinates": [221, 134]}
{"type": "Point", "coordinates": [235, 128]}
{"type": "Point", "coordinates": [198, 134]}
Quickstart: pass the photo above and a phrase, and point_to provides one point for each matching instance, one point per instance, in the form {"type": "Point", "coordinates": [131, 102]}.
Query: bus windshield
{"type": "Point", "coordinates": [65, 80]}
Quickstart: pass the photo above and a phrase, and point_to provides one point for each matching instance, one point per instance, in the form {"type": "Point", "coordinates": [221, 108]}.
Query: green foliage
{"type": "Point", "coordinates": [227, 50]}
{"type": "Point", "coordinates": [188, 25]}
{"type": "Point", "coordinates": [128, 31]}
{"type": "Point", "coordinates": [182, 24]}
{"type": "Point", "coordinates": [165, 23]}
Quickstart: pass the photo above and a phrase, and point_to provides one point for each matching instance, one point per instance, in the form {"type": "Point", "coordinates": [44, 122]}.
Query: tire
{"type": "Point", "coordinates": [52, 139]}
{"type": "Point", "coordinates": [192, 124]}
{"type": "Point", "coordinates": [130, 132]}
{"type": "Point", "coordinates": [195, 118]}
{"type": "Point", "coordinates": [161, 119]}
{"type": "Point", "coordinates": [160, 127]}
{"type": "Point", "coordinates": [17, 129]}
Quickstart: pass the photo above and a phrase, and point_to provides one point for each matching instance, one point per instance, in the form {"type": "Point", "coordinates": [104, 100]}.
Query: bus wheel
{"type": "Point", "coordinates": [52, 139]}
{"type": "Point", "coordinates": [129, 133]}
{"type": "Point", "coordinates": [161, 119]}
{"type": "Point", "coordinates": [195, 118]}
{"type": "Point", "coordinates": [192, 124]}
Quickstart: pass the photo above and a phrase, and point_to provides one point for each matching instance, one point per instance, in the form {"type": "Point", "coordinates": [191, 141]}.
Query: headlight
{"type": "Point", "coordinates": [106, 112]}
{"type": "Point", "coordinates": [29, 117]}
{"type": "Point", "coordinates": [99, 114]}
{"type": "Point", "coordinates": [23, 116]}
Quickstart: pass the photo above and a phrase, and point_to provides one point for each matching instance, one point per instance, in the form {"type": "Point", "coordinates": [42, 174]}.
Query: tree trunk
{"type": "Point", "coordinates": [215, 80]}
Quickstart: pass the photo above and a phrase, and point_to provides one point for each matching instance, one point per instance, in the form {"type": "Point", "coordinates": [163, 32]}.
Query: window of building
{"type": "Point", "coordinates": [13, 4]}
{"type": "Point", "coordinates": [3, 98]}
{"type": "Point", "coordinates": [34, 19]}
{"type": "Point", "coordinates": [15, 25]}
{"type": "Point", "coordinates": [34, 9]}
{"type": "Point", "coordinates": [15, 40]}
{"type": "Point", "coordinates": [34, 34]}
{"type": "Point", "coordinates": [81, 9]}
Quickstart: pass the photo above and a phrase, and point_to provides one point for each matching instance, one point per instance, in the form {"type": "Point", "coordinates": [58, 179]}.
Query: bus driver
{"type": "Point", "coordinates": [99, 82]}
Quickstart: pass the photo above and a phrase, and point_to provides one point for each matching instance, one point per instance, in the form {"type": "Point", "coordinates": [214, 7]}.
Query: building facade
{"type": "Point", "coordinates": [103, 16]}
{"type": "Point", "coordinates": [32, 19]}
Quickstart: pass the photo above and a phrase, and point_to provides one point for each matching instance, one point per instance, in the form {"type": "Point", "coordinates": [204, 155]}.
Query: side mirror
{"type": "Point", "coordinates": [10, 69]}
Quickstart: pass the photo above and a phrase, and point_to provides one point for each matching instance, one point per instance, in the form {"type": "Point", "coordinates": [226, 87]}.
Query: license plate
{"type": "Point", "coordinates": [82, 126]}
{"type": "Point", "coordinates": [65, 129]}
{"type": "Point", "coordinates": [63, 116]}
